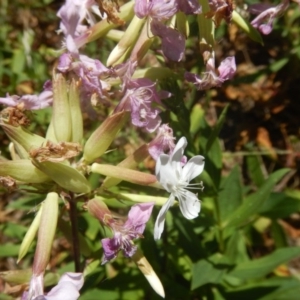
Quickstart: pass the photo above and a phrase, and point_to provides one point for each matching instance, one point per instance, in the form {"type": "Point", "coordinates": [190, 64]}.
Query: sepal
{"type": "Point", "coordinates": [103, 136]}
{"type": "Point", "coordinates": [22, 170]}
{"type": "Point", "coordinates": [46, 233]}
{"type": "Point", "coordinates": [30, 234]}
{"type": "Point", "coordinates": [65, 176]}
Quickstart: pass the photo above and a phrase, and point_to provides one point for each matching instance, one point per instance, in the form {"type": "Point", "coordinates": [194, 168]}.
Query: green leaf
{"type": "Point", "coordinates": [247, 27]}
{"type": "Point", "coordinates": [213, 162]}
{"type": "Point", "coordinates": [254, 165]}
{"type": "Point", "coordinates": [262, 266]}
{"type": "Point", "coordinates": [210, 271]}
{"type": "Point", "coordinates": [18, 61]}
{"type": "Point", "coordinates": [290, 290]}
{"type": "Point", "coordinates": [254, 202]}
{"type": "Point", "coordinates": [278, 235]}
{"type": "Point", "coordinates": [258, 289]}
{"type": "Point", "coordinates": [231, 194]}
{"type": "Point", "coordinates": [236, 249]}
{"type": "Point", "coordinates": [205, 272]}
{"type": "Point", "coordinates": [8, 250]}
{"type": "Point", "coordinates": [214, 134]}
{"type": "Point", "coordinates": [197, 114]}
{"type": "Point", "coordinates": [280, 205]}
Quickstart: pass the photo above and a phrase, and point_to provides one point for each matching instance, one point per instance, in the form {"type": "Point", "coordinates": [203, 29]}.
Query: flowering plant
{"type": "Point", "coordinates": [111, 178]}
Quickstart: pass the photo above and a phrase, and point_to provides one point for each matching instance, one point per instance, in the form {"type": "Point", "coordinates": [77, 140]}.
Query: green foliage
{"type": "Point", "coordinates": [222, 254]}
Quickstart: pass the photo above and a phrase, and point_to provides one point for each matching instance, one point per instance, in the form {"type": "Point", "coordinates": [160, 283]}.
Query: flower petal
{"type": "Point", "coordinates": [227, 68]}
{"type": "Point", "coordinates": [111, 247]}
{"type": "Point", "coordinates": [173, 42]}
{"type": "Point", "coordinates": [67, 287]}
{"type": "Point", "coordinates": [160, 220]}
{"type": "Point", "coordinates": [193, 168]}
{"type": "Point", "coordinates": [139, 215]}
{"type": "Point", "coordinates": [179, 149]}
{"type": "Point", "coordinates": [189, 205]}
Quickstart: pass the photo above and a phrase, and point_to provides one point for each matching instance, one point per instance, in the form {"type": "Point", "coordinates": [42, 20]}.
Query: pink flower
{"type": "Point", "coordinates": [90, 71]}
{"type": "Point", "coordinates": [156, 9]}
{"type": "Point", "coordinates": [212, 77]}
{"type": "Point", "coordinates": [189, 7]}
{"type": "Point", "coordinates": [173, 42]}
{"type": "Point", "coordinates": [125, 233]}
{"type": "Point", "coordinates": [140, 99]}
{"type": "Point", "coordinates": [266, 15]}
{"type": "Point", "coordinates": [31, 102]}
{"type": "Point", "coordinates": [164, 141]}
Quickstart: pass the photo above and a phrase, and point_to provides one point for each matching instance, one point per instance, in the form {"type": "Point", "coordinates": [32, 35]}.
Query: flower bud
{"type": "Point", "coordinates": [76, 114]}
{"type": "Point", "coordinates": [98, 209]}
{"type": "Point", "coordinates": [50, 135]}
{"type": "Point", "coordinates": [143, 44]}
{"type": "Point", "coordinates": [103, 136]}
{"type": "Point", "coordinates": [61, 117]}
{"type": "Point", "coordinates": [65, 176]}
{"type": "Point", "coordinates": [159, 201]}
{"type": "Point", "coordinates": [125, 174]}
{"type": "Point", "coordinates": [30, 234]}
{"type": "Point", "coordinates": [127, 41]}
{"type": "Point", "coordinates": [182, 24]}
{"type": "Point", "coordinates": [102, 27]}
{"type": "Point", "coordinates": [22, 170]}
{"type": "Point", "coordinates": [130, 162]}
{"type": "Point", "coordinates": [145, 267]}
{"type": "Point", "coordinates": [23, 139]}
{"type": "Point", "coordinates": [46, 233]}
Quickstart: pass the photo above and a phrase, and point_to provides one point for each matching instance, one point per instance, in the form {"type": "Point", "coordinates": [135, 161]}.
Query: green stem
{"type": "Point", "coordinates": [75, 238]}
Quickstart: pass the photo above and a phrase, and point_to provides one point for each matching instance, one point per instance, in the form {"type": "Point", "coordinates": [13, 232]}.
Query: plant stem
{"type": "Point", "coordinates": [75, 238]}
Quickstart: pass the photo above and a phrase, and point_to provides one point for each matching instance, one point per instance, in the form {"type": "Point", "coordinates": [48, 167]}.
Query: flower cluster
{"type": "Point", "coordinates": [129, 85]}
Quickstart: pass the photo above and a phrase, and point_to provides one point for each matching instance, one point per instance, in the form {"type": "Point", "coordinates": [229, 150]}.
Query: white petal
{"type": "Point", "coordinates": [178, 150]}
{"type": "Point", "coordinates": [193, 168]}
{"type": "Point", "coordinates": [176, 158]}
{"type": "Point", "coordinates": [189, 205]}
{"type": "Point", "coordinates": [160, 220]}
{"type": "Point", "coordinates": [161, 161]}
{"type": "Point", "coordinates": [164, 172]}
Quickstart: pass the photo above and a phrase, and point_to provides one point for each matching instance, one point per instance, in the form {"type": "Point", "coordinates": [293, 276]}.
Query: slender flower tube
{"type": "Point", "coordinates": [175, 179]}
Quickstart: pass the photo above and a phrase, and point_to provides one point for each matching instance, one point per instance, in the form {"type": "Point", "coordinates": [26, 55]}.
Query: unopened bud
{"type": "Point", "coordinates": [30, 234]}
{"type": "Point", "coordinates": [76, 114]}
{"type": "Point", "coordinates": [127, 41]}
{"type": "Point", "coordinates": [46, 233]}
{"type": "Point", "coordinates": [130, 162]}
{"type": "Point", "coordinates": [103, 136]}
{"type": "Point", "coordinates": [61, 117]}
{"type": "Point", "coordinates": [125, 174]}
{"type": "Point", "coordinates": [22, 170]}
{"type": "Point", "coordinates": [99, 210]}
{"type": "Point", "coordinates": [145, 267]}
{"type": "Point", "coordinates": [65, 176]}
{"type": "Point", "coordinates": [23, 138]}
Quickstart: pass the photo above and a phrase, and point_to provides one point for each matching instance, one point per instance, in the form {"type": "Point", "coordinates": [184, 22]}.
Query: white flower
{"type": "Point", "coordinates": [175, 179]}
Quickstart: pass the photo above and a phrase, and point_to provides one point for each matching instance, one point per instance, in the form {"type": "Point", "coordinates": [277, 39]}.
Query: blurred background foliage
{"type": "Point", "coordinates": [245, 243]}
